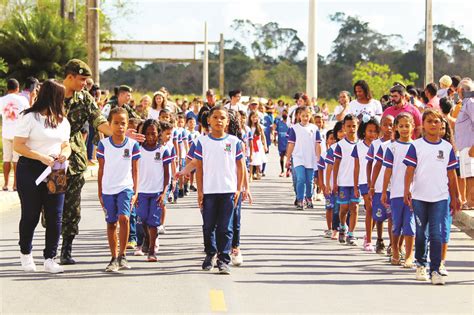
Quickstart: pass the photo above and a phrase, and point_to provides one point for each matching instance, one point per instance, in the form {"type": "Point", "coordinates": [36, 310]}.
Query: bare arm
{"type": "Point", "coordinates": [329, 169]}
{"type": "Point", "coordinates": [199, 183]}
{"type": "Point", "coordinates": [100, 175]}
{"type": "Point", "coordinates": [409, 173]}
{"type": "Point", "coordinates": [335, 172]}
{"type": "Point", "coordinates": [386, 180]}
{"type": "Point", "coordinates": [19, 145]}
{"type": "Point", "coordinates": [135, 181]}
{"type": "Point", "coordinates": [289, 152]}
{"type": "Point", "coordinates": [454, 192]}
{"type": "Point", "coordinates": [356, 177]}
{"type": "Point", "coordinates": [375, 175]}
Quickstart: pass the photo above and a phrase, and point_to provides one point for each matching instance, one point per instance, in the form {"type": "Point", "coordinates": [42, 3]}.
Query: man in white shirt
{"type": "Point", "coordinates": [235, 104]}
{"type": "Point", "coordinates": [11, 105]}
{"type": "Point", "coordinates": [292, 110]}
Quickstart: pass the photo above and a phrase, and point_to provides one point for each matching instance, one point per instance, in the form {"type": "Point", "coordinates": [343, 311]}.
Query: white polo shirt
{"type": "Point", "coordinates": [152, 164]}
{"type": "Point", "coordinates": [305, 139]}
{"type": "Point", "coordinates": [360, 152]}
{"type": "Point", "coordinates": [343, 152]}
{"type": "Point", "coordinates": [393, 159]}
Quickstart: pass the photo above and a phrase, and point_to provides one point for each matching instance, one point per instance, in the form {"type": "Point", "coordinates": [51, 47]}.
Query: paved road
{"type": "Point", "coordinates": [288, 268]}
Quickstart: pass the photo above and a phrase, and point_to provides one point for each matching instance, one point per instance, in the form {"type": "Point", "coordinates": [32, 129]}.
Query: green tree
{"type": "Point", "coordinates": [3, 71]}
{"type": "Point", "coordinates": [287, 79]}
{"type": "Point", "coordinates": [379, 77]}
{"type": "Point", "coordinates": [258, 83]}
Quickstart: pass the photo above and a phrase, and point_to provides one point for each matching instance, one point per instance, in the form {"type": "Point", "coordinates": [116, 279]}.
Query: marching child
{"type": "Point", "coordinates": [403, 220]}
{"type": "Point", "coordinates": [259, 145]}
{"type": "Point", "coordinates": [367, 132]}
{"type": "Point", "coordinates": [379, 211]}
{"type": "Point", "coordinates": [192, 135]}
{"type": "Point", "coordinates": [430, 179]}
{"type": "Point", "coordinates": [304, 147]}
{"type": "Point", "coordinates": [117, 182]}
{"type": "Point", "coordinates": [219, 174]}
{"type": "Point", "coordinates": [133, 123]}
{"type": "Point", "coordinates": [183, 148]}
{"type": "Point", "coordinates": [330, 140]}
{"type": "Point", "coordinates": [281, 130]}
{"type": "Point", "coordinates": [343, 179]}
{"type": "Point", "coordinates": [153, 181]}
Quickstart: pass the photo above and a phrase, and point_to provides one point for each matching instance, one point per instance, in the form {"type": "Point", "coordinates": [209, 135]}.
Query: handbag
{"type": "Point", "coordinates": [56, 182]}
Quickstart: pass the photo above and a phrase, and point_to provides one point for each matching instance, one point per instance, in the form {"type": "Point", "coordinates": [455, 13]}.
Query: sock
{"type": "Point", "coordinates": [281, 166]}
{"type": "Point", "coordinates": [263, 167]}
{"type": "Point", "coordinates": [350, 233]}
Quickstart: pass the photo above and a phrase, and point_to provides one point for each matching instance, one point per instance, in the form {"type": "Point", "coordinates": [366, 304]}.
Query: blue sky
{"type": "Point", "coordinates": [184, 19]}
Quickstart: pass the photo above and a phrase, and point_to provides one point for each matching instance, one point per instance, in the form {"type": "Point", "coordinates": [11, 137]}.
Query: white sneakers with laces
{"type": "Point", "coordinates": [52, 267]}
{"type": "Point", "coordinates": [421, 274]}
{"type": "Point", "coordinates": [236, 257]}
{"type": "Point", "coordinates": [436, 278]}
{"type": "Point", "coordinates": [27, 263]}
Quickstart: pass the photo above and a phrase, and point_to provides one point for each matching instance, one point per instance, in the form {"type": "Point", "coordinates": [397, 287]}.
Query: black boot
{"type": "Point", "coordinates": [66, 248]}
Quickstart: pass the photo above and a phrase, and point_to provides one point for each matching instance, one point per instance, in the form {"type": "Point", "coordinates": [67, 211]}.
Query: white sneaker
{"type": "Point", "coordinates": [52, 267]}
{"type": "Point", "coordinates": [237, 259]}
{"type": "Point", "coordinates": [436, 278]}
{"type": "Point", "coordinates": [442, 270]}
{"type": "Point", "coordinates": [421, 274]}
{"type": "Point", "coordinates": [161, 229]}
{"type": "Point", "coordinates": [27, 263]}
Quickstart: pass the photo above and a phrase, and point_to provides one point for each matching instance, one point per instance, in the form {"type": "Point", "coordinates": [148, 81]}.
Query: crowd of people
{"type": "Point", "coordinates": [156, 151]}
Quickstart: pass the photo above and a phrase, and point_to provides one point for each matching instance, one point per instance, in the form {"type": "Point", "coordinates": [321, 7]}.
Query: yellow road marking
{"type": "Point", "coordinates": [217, 301]}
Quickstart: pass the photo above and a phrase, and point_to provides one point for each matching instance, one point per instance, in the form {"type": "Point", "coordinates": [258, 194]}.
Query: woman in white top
{"type": "Point", "coordinates": [364, 104]}
{"type": "Point", "coordinates": [158, 103]}
{"type": "Point", "coordinates": [341, 110]}
{"type": "Point", "coordinates": [42, 140]}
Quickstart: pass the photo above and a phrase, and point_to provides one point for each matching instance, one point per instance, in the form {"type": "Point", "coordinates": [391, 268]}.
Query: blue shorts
{"type": "Point", "coordinates": [182, 164]}
{"type": "Point", "coordinates": [148, 209]}
{"type": "Point", "coordinates": [379, 212]}
{"type": "Point", "coordinates": [330, 202]}
{"type": "Point", "coordinates": [346, 196]}
{"type": "Point", "coordinates": [118, 204]}
{"type": "Point", "coordinates": [282, 153]}
{"type": "Point", "coordinates": [315, 175]}
{"type": "Point", "coordinates": [403, 218]}
{"type": "Point", "coordinates": [446, 223]}
{"type": "Point", "coordinates": [363, 189]}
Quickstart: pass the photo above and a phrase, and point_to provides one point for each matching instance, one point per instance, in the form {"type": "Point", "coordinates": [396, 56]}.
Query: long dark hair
{"type": "Point", "coordinates": [258, 128]}
{"type": "Point", "coordinates": [448, 136]}
{"type": "Point", "coordinates": [50, 99]}
{"type": "Point", "coordinates": [365, 87]}
{"type": "Point", "coordinates": [234, 127]}
{"type": "Point", "coordinates": [363, 127]}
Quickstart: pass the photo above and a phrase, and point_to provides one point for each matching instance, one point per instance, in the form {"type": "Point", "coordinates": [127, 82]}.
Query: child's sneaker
{"type": "Point", "coordinates": [309, 203]}
{"type": "Point", "coordinates": [52, 267]}
{"type": "Point", "coordinates": [236, 257]}
{"type": "Point", "coordinates": [334, 235]}
{"type": "Point", "coordinates": [299, 205]}
{"type": "Point", "coordinates": [209, 262]}
{"type": "Point", "coordinates": [436, 278]}
{"type": "Point", "coordinates": [421, 274]}
{"type": "Point", "coordinates": [342, 236]}
{"type": "Point", "coordinates": [131, 245]}
{"type": "Point", "coordinates": [442, 270]}
{"type": "Point", "coordinates": [161, 229]}
{"type": "Point", "coordinates": [192, 188]}
{"type": "Point", "coordinates": [389, 250]}
{"type": "Point", "coordinates": [351, 240]}
{"type": "Point", "coordinates": [138, 251]}
{"type": "Point", "coordinates": [369, 248]}
{"type": "Point", "coordinates": [113, 266]}
{"type": "Point", "coordinates": [27, 263]}
{"type": "Point", "coordinates": [327, 234]}
{"type": "Point", "coordinates": [380, 247]}
{"type": "Point", "coordinates": [123, 263]}
{"type": "Point", "coordinates": [224, 268]}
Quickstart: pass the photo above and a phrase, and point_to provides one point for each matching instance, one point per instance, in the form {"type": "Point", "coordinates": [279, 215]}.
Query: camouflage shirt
{"type": "Point", "coordinates": [113, 103]}
{"type": "Point", "coordinates": [79, 109]}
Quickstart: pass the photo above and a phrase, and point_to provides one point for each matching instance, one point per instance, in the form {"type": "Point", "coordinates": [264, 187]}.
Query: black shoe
{"type": "Point", "coordinates": [342, 236]}
{"type": "Point", "coordinates": [192, 188]}
{"type": "Point", "coordinates": [66, 249]}
{"type": "Point", "coordinates": [123, 263]}
{"type": "Point", "coordinates": [309, 203]}
{"type": "Point", "coordinates": [224, 268]}
{"type": "Point", "coordinates": [113, 266]}
{"type": "Point", "coordinates": [300, 205]}
{"type": "Point", "coordinates": [380, 247]}
{"type": "Point", "coordinates": [296, 202]}
{"type": "Point", "coordinates": [181, 193]}
{"type": "Point", "coordinates": [209, 262]}
{"type": "Point", "coordinates": [351, 240]}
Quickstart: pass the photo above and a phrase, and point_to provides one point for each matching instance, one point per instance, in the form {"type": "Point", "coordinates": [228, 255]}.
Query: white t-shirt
{"type": "Point", "coordinates": [339, 109]}
{"type": "Point", "coordinates": [153, 114]}
{"type": "Point", "coordinates": [152, 164]}
{"type": "Point", "coordinates": [379, 158]}
{"type": "Point", "coordinates": [373, 108]}
{"type": "Point", "coordinates": [291, 115]}
{"type": "Point", "coordinates": [44, 140]}
{"type": "Point", "coordinates": [360, 152]}
{"type": "Point", "coordinates": [219, 158]}
{"type": "Point", "coordinates": [118, 159]}
{"type": "Point", "coordinates": [432, 161]}
{"type": "Point", "coordinates": [305, 139]}
{"type": "Point", "coordinates": [393, 158]}
{"type": "Point", "coordinates": [11, 105]}
{"type": "Point", "coordinates": [343, 152]}
{"type": "Point", "coordinates": [237, 107]}
{"type": "Point", "coordinates": [322, 168]}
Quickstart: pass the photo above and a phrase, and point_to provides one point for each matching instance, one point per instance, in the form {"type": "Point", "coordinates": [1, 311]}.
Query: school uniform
{"type": "Point", "coordinates": [117, 181]}
{"type": "Point", "coordinates": [376, 151]}
{"type": "Point", "coordinates": [345, 176]}
{"type": "Point", "coordinates": [360, 152]}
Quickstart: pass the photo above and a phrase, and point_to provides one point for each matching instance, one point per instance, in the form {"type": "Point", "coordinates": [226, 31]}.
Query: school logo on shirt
{"type": "Point", "coordinates": [126, 153]}
{"type": "Point", "coordinates": [228, 147]}
{"type": "Point", "coordinates": [378, 214]}
{"type": "Point", "coordinates": [440, 155]}
{"type": "Point", "coordinates": [157, 156]}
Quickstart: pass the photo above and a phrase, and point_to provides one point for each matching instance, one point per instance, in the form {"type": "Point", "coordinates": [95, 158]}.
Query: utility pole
{"type": "Point", "coordinates": [93, 38]}
{"type": "Point", "coordinates": [221, 65]}
{"type": "Point", "coordinates": [63, 9]}
{"type": "Point", "coordinates": [312, 59]}
{"type": "Point", "coordinates": [429, 76]}
{"type": "Point", "coordinates": [205, 66]}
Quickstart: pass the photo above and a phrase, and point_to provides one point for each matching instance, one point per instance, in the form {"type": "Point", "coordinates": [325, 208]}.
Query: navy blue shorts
{"type": "Point", "coordinates": [363, 189]}
{"type": "Point", "coordinates": [403, 218]}
{"type": "Point", "coordinates": [380, 213]}
{"type": "Point", "coordinates": [148, 209]}
{"type": "Point", "coordinates": [346, 196]}
{"type": "Point", "coordinates": [330, 202]}
{"type": "Point", "coordinates": [118, 204]}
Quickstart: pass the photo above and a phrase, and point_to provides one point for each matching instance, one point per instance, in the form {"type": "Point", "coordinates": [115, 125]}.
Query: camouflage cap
{"type": "Point", "coordinates": [78, 67]}
{"type": "Point", "coordinates": [125, 88]}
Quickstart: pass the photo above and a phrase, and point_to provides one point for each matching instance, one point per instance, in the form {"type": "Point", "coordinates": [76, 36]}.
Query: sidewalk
{"type": "Point", "coordinates": [9, 199]}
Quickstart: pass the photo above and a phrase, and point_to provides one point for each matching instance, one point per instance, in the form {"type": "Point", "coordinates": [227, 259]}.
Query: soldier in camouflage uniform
{"type": "Point", "coordinates": [123, 98]}
{"type": "Point", "coordinates": [80, 107]}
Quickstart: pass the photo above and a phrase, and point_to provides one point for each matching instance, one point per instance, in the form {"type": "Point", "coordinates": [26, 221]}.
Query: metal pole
{"type": "Point", "coordinates": [221, 66]}
{"type": "Point", "coordinates": [63, 8]}
{"type": "Point", "coordinates": [205, 66]}
{"type": "Point", "coordinates": [93, 38]}
{"type": "Point", "coordinates": [312, 59]}
{"type": "Point", "coordinates": [429, 77]}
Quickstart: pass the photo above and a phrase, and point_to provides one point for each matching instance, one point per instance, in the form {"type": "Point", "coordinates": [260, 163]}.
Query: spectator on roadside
{"type": "Point", "coordinates": [124, 95]}
{"type": "Point", "coordinates": [325, 111]}
{"type": "Point", "coordinates": [341, 110]}
{"type": "Point", "coordinates": [455, 96]}
{"type": "Point", "coordinates": [42, 139]}
{"type": "Point", "coordinates": [364, 104]}
{"type": "Point", "coordinates": [210, 103]}
{"type": "Point", "coordinates": [235, 103]}
{"type": "Point", "coordinates": [445, 83]}
{"type": "Point", "coordinates": [431, 90]}
{"type": "Point", "coordinates": [385, 101]}
{"type": "Point", "coordinates": [280, 108]}
{"type": "Point", "coordinates": [30, 90]}
{"type": "Point", "coordinates": [11, 105]}
{"type": "Point", "coordinates": [159, 102]}
{"type": "Point", "coordinates": [446, 106]}
{"type": "Point", "coordinates": [464, 138]}
{"type": "Point", "coordinates": [89, 84]}
{"type": "Point", "coordinates": [299, 101]}
{"type": "Point", "coordinates": [400, 105]}
{"type": "Point", "coordinates": [414, 98]}
{"type": "Point", "coordinates": [143, 107]}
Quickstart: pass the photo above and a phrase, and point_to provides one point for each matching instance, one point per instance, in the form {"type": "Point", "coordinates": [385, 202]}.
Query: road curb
{"type": "Point", "coordinates": [10, 200]}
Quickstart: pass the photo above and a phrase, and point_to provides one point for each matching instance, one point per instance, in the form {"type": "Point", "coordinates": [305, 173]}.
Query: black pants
{"type": "Point", "coordinates": [33, 198]}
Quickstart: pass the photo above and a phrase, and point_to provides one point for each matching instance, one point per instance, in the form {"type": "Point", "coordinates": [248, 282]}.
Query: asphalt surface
{"type": "Point", "coordinates": [288, 267]}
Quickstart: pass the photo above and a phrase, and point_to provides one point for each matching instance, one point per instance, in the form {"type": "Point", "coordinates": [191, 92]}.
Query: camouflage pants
{"type": "Point", "coordinates": [72, 205]}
